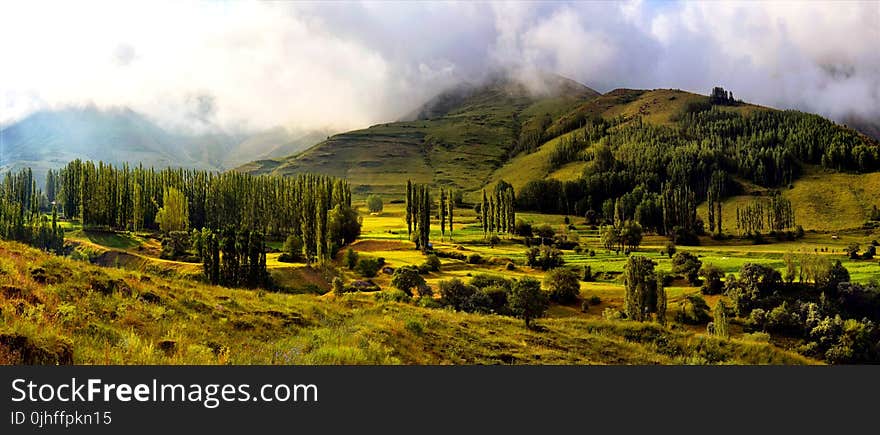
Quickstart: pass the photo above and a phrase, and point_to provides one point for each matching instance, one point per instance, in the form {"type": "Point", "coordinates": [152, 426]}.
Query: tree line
{"type": "Point", "coordinates": [498, 210]}
{"type": "Point", "coordinates": [21, 213]}
{"type": "Point", "coordinates": [315, 209]}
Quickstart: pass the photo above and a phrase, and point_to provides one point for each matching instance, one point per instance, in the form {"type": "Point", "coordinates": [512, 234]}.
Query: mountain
{"type": "Point", "coordinates": [51, 138]}
{"type": "Point", "coordinates": [458, 138]}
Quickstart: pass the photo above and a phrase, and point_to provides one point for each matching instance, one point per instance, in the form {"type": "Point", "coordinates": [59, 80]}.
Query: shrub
{"type": "Point", "coordinates": [494, 240]}
{"type": "Point", "coordinates": [527, 300]}
{"type": "Point", "coordinates": [392, 295]}
{"type": "Point", "coordinates": [292, 249]}
{"type": "Point", "coordinates": [351, 259]}
{"type": "Point", "coordinates": [712, 284]}
{"type": "Point", "coordinates": [588, 274]}
{"type": "Point", "coordinates": [687, 264]}
{"type": "Point", "coordinates": [406, 278]}
{"type": "Point", "coordinates": [522, 228]}
{"type": "Point", "coordinates": [455, 293]}
{"type": "Point", "coordinates": [368, 267]}
{"type": "Point", "coordinates": [475, 259]}
{"type": "Point", "coordinates": [544, 231]}
{"type": "Point", "coordinates": [484, 280]}
{"type": "Point", "coordinates": [692, 310]}
{"type": "Point", "coordinates": [428, 302]}
{"type": "Point", "coordinates": [595, 300]}
{"type": "Point", "coordinates": [498, 296]}
{"type": "Point", "coordinates": [544, 258]}
{"type": "Point", "coordinates": [784, 318]}
{"type": "Point", "coordinates": [510, 266]}
{"type": "Point", "coordinates": [374, 204]}
{"type": "Point", "coordinates": [563, 285]}
{"type": "Point", "coordinates": [433, 263]}
{"type": "Point", "coordinates": [670, 249]}
{"type": "Point", "coordinates": [338, 286]}
{"type": "Point", "coordinates": [478, 302]}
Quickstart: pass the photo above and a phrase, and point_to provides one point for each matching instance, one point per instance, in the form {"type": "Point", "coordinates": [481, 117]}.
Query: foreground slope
{"type": "Point", "coordinates": [56, 310]}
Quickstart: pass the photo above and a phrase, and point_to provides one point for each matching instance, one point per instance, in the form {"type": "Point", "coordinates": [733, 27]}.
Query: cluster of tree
{"type": "Point", "coordinates": [498, 210]}
{"type": "Point", "coordinates": [704, 150]}
{"type": "Point", "coordinates": [314, 208]}
{"type": "Point", "coordinates": [774, 214]}
{"type": "Point", "coordinates": [447, 211]}
{"type": "Point", "coordinates": [418, 214]}
{"type": "Point", "coordinates": [644, 294]}
{"type": "Point", "coordinates": [625, 236]}
{"type": "Point", "coordinates": [232, 257]}
{"type": "Point", "coordinates": [21, 213]}
{"type": "Point", "coordinates": [721, 97]}
{"type": "Point", "coordinates": [522, 298]}
{"type": "Point", "coordinates": [835, 319]}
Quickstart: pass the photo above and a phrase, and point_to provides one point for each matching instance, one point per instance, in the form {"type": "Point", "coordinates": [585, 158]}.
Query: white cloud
{"type": "Point", "coordinates": [347, 65]}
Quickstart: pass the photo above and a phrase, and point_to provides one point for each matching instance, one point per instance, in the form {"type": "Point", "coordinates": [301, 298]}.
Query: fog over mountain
{"type": "Point", "coordinates": [244, 67]}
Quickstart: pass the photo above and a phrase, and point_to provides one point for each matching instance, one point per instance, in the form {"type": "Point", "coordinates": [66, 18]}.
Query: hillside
{"type": "Point", "coordinates": [456, 139]}
{"type": "Point", "coordinates": [57, 310]}
{"type": "Point", "coordinates": [49, 139]}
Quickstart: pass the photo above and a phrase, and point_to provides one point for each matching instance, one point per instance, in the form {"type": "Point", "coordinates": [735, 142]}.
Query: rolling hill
{"type": "Point", "coordinates": [49, 139]}
{"type": "Point", "coordinates": [456, 139]}
{"type": "Point", "coordinates": [472, 136]}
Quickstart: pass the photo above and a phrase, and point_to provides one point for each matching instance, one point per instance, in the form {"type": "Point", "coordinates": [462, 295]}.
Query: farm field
{"type": "Point", "coordinates": [134, 257]}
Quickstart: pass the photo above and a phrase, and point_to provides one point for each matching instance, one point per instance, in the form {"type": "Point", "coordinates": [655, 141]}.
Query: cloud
{"type": "Point", "coordinates": [247, 66]}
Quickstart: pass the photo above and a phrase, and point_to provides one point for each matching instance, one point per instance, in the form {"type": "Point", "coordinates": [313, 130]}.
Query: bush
{"type": "Point", "coordinates": [478, 302]}
{"type": "Point", "coordinates": [587, 274]}
{"type": "Point", "coordinates": [545, 231]}
{"type": "Point", "coordinates": [392, 295]}
{"type": "Point", "coordinates": [693, 310]}
{"type": "Point", "coordinates": [494, 240]}
{"type": "Point", "coordinates": [544, 258]}
{"type": "Point", "coordinates": [687, 264]}
{"type": "Point", "coordinates": [484, 280]}
{"type": "Point", "coordinates": [595, 300]}
{"type": "Point", "coordinates": [368, 267]}
{"type": "Point", "coordinates": [427, 302]}
{"type": "Point", "coordinates": [712, 284]}
{"type": "Point", "coordinates": [406, 278]}
{"type": "Point", "coordinates": [527, 300]}
{"type": "Point", "coordinates": [455, 293]}
{"type": "Point", "coordinates": [475, 259]}
{"type": "Point", "coordinates": [563, 285]}
{"type": "Point", "coordinates": [510, 266]}
{"type": "Point", "coordinates": [522, 228]}
{"type": "Point", "coordinates": [670, 249]}
{"type": "Point", "coordinates": [433, 263]}
{"type": "Point", "coordinates": [785, 319]}
{"type": "Point", "coordinates": [498, 296]}
{"type": "Point", "coordinates": [292, 248]}
{"type": "Point", "coordinates": [374, 204]}
{"type": "Point", "coordinates": [351, 259]}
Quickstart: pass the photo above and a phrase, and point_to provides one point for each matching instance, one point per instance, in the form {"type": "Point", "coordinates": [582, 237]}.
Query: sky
{"type": "Point", "coordinates": [244, 66]}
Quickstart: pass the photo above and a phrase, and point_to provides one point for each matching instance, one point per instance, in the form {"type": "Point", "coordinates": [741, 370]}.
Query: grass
{"type": "Point", "coordinates": [146, 319]}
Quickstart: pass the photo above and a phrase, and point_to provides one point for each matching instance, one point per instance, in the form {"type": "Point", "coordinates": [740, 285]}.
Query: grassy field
{"type": "Point", "coordinates": [139, 308]}
{"type": "Point", "coordinates": [57, 310]}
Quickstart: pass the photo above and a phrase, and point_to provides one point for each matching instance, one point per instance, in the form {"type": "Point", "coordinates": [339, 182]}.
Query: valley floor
{"type": "Point", "coordinates": [139, 309]}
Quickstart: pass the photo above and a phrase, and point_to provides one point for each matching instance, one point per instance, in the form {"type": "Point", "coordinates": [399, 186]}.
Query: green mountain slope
{"type": "Point", "coordinates": [457, 139]}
